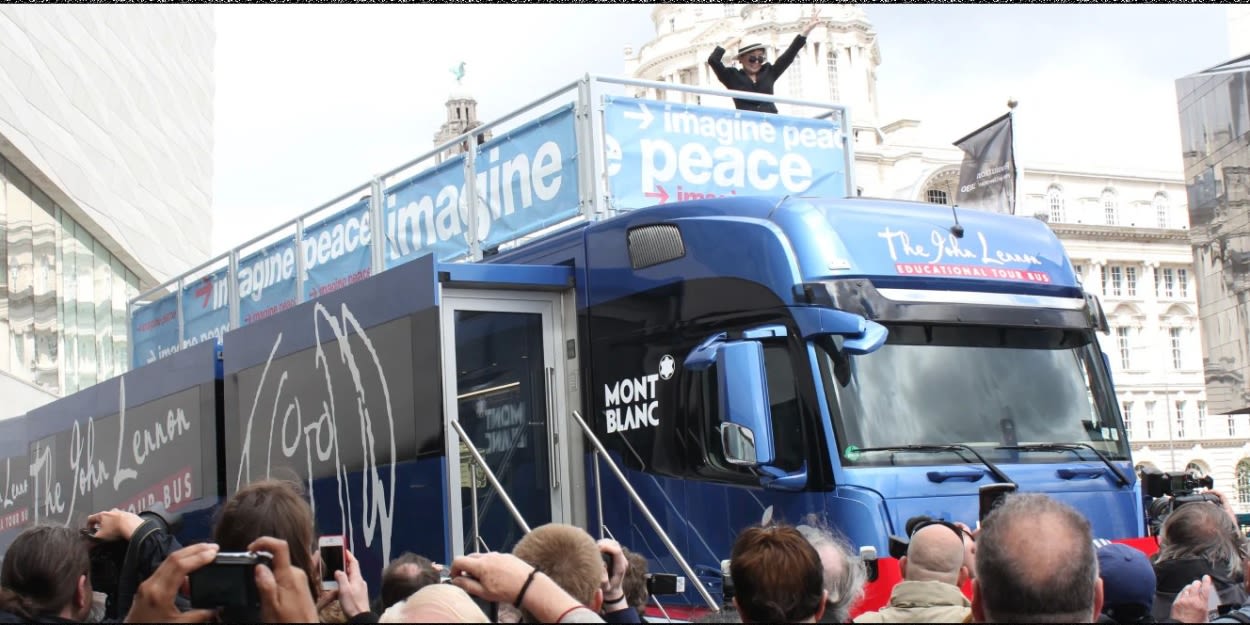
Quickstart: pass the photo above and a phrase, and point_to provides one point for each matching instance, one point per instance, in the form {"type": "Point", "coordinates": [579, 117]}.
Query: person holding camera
{"type": "Point", "coordinates": [1200, 539]}
{"type": "Point", "coordinates": [756, 74]}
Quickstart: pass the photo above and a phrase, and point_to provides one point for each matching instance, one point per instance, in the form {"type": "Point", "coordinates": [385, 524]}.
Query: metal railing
{"type": "Point", "coordinates": [480, 462]}
{"type": "Point", "coordinates": [601, 451]}
{"type": "Point", "coordinates": [594, 199]}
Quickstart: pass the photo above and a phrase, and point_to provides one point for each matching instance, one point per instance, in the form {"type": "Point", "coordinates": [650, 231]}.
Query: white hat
{"type": "Point", "coordinates": [750, 48]}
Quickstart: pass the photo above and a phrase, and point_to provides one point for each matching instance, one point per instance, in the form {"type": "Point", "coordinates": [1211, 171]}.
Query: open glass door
{"type": "Point", "coordinates": [504, 385]}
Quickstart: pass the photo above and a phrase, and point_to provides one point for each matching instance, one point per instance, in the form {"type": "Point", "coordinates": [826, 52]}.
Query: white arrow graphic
{"type": "Point", "coordinates": [644, 116]}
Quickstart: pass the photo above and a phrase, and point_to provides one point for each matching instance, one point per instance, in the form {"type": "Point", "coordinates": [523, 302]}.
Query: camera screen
{"type": "Point", "coordinates": [331, 561]}
{"type": "Point", "coordinates": [223, 586]}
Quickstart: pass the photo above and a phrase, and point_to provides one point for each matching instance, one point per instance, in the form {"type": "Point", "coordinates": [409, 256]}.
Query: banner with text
{"type": "Point", "coordinates": [658, 152]}
{"type": "Point", "coordinates": [206, 308]}
{"type": "Point", "coordinates": [338, 250]}
{"type": "Point", "coordinates": [987, 176]}
{"type": "Point", "coordinates": [154, 330]}
{"type": "Point", "coordinates": [526, 180]}
{"type": "Point", "coordinates": [267, 282]}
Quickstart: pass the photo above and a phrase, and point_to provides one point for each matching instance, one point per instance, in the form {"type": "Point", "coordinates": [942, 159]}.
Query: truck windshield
{"type": "Point", "coordinates": [984, 387]}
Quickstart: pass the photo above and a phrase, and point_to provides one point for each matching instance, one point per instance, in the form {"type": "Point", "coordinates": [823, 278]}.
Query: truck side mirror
{"type": "Point", "coordinates": [746, 420]}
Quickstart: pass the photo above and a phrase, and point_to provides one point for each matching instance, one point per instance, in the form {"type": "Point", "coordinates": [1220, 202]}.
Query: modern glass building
{"type": "Point", "coordinates": [1214, 108]}
{"type": "Point", "coordinates": [105, 181]}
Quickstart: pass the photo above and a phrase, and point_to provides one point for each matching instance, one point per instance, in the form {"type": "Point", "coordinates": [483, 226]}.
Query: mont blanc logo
{"type": "Point", "coordinates": [668, 367]}
{"type": "Point", "coordinates": [630, 403]}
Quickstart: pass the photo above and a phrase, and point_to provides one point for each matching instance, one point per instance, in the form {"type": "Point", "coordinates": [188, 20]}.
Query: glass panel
{"type": "Point", "coordinates": [69, 304]}
{"type": "Point", "coordinates": [103, 312]}
{"type": "Point", "coordinates": [1033, 386]}
{"type": "Point", "coordinates": [121, 328]}
{"type": "Point", "coordinates": [83, 249]}
{"type": "Point", "coordinates": [503, 407]}
{"type": "Point", "coordinates": [21, 272]}
{"type": "Point", "coordinates": [4, 259]}
{"type": "Point", "coordinates": [46, 367]}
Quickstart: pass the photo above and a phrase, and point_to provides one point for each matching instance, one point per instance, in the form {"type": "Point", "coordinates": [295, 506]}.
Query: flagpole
{"type": "Point", "coordinates": [1019, 173]}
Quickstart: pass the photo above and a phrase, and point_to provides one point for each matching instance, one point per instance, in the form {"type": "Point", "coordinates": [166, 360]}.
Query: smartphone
{"type": "Point", "coordinates": [331, 548]}
{"type": "Point", "coordinates": [229, 582]}
{"type": "Point", "coordinates": [992, 495]}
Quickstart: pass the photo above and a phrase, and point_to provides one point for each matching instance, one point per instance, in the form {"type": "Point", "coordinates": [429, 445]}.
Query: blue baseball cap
{"type": "Point", "coordinates": [1128, 578]}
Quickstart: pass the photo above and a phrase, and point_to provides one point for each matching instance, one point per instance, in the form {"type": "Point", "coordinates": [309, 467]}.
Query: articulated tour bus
{"type": "Point", "coordinates": [666, 375]}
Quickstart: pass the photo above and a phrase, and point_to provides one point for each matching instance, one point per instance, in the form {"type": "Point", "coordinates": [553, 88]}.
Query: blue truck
{"type": "Point", "coordinates": [667, 376]}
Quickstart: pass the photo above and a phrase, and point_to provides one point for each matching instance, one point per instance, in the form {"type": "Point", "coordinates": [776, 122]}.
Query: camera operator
{"type": "Point", "coordinates": [46, 577]}
{"type": "Point", "coordinates": [1197, 540]}
{"type": "Point", "coordinates": [283, 588]}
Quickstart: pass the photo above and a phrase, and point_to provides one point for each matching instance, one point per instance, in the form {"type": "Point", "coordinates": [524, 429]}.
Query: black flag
{"type": "Point", "coordinates": [987, 176]}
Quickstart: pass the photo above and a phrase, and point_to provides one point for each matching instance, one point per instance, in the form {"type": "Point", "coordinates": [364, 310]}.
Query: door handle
{"type": "Point", "coordinates": [1087, 473]}
{"type": "Point", "coordinates": [554, 455]}
{"type": "Point", "coordinates": [942, 476]}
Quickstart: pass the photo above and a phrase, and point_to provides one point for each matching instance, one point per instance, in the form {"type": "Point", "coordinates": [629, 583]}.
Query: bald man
{"type": "Point", "coordinates": [933, 571]}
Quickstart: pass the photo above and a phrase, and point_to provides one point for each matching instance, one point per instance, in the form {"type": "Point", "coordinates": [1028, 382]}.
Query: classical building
{"type": "Point", "coordinates": [1126, 231]}
{"type": "Point", "coordinates": [106, 135]}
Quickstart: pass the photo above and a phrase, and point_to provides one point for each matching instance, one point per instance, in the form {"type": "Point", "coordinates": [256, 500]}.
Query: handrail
{"type": "Point", "coordinates": [727, 93]}
{"type": "Point", "coordinates": [490, 477]}
{"type": "Point", "coordinates": [642, 507]}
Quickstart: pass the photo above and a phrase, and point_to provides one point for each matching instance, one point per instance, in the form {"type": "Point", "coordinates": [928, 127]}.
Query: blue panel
{"type": "Point", "coordinates": [154, 330]}
{"type": "Point", "coordinates": [662, 151]}
{"type": "Point", "coordinates": [528, 178]}
{"type": "Point", "coordinates": [389, 295]}
{"type": "Point", "coordinates": [525, 276]}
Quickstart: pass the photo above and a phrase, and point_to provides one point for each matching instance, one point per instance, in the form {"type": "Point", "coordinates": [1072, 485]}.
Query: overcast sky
{"type": "Point", "coordinates": [313, 100]}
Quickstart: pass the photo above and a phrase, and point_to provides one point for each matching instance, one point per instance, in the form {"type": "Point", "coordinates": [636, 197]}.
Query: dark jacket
{"type": "Point", "coordinates": [9, 617]}
{"type": "Point", "coordinates": [149, 546]}
{"type": "Point", "coordinates": [737, 79]}
{"type": "Point", "coordinates": [1173, 575]}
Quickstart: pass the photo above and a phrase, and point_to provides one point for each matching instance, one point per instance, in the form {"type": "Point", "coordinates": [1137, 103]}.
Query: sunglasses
{"type": "Point", "coordinates": [755, 59]}
{"type": "Point", "coordinates": [959, 531]}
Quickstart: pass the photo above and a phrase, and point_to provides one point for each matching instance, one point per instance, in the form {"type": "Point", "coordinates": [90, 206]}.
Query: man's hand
{"type": "Point", "coordinates": [495, 577]}
{"type": "Point", "coordinates": [353, 591]}
{"type": "Point", "coordinates": [114, 524]}
{"type": "Point", "coordinates": [1224, 503]}
{"type": "Point", "coordinates": [614, 582]}
{"type": "Point", "coordinates": [812, 22]}
{"type": "Point", "coordinates": [1192, 602]}
{"type": "Point", "coordinates": [154, 602]}
{"type": "Point", "coordinates": [283, 589]}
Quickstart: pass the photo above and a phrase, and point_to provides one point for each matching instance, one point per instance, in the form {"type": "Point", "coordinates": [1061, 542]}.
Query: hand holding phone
{"type": "Point", "coordinates": [331, 548]}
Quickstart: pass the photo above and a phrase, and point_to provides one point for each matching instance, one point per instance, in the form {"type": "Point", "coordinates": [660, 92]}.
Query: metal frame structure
{"type": "Point", "coordinates": [594, 199]}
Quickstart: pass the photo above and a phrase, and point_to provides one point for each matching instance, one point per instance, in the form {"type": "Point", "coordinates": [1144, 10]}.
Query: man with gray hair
{"type": "Point", "coordinates": [933, 572]}
{"type": "Point", "coordinates": [1200, 539]}
{"type": "Point", "coordinates": [1036, 564]}
{"type": "Point", "coordinates": [843, 572]}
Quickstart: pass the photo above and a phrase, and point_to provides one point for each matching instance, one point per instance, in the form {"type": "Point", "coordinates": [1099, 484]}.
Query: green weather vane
{"type": "Point", "coordinates": [458, 72]}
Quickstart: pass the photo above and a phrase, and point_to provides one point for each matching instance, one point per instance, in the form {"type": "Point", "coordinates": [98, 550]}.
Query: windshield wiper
{"type": "Point", "coordinates": [1076, 449]}
{"type": "Point", "coordinates": [955, 448]}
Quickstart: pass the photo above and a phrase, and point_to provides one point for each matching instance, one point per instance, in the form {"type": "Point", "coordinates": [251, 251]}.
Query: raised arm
{"type": "Point", "coordinates": [787, 57]}
{"type": "Point", "coordinates": [718, 68]}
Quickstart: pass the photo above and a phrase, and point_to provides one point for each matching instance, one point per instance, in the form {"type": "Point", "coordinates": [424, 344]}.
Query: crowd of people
{"type": "Point", "coordinates": [1033, 559]}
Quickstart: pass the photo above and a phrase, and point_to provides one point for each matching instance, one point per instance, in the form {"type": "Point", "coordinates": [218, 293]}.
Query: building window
{"type": "Point", "coordinates": [1182, 283]}
{"type": "Point", "coordinates": [1232, 425]}
{"type": "Point", "coordinates": [1126, 410]}
{"type": "Point", "coordinates": [1150, 420]}
{"type": "Point", "coordinates": [1110, 207]}
{"type": "Point", "coordinates": [1165, 282]}
{"type": "Point", "coordinates": [731, 10]}
{"type": "Point", "coordinates": [1122, 341]}
{"type": "Point", "coordinates": [1079, 270]}
{"type": "Point", "coordinates": [831, 61]}
{"type": "Point", "coordinates": [1195, 469]}
{"type": "Point", "coordinates": [1161, 210]}
{"type": "Point", "coordinates": [936, 196]}
{"type": "Point", "coordinates": [1117, 280]}
{"type": "Point", "coordinates": [1130, 281]}
{"type": "Point", "coordinates": [1202, 418]}
{"type": "Point", "coordinates": [1054, 199]}
{"type": "Point", "coordinates": [796, 77]}
{"type": "Point", "coordinates": [1178, 354]}
{"type": "Point", "coordinates": [1180, 419]}
{"type": "Point", "coordinates": [1243, 481]}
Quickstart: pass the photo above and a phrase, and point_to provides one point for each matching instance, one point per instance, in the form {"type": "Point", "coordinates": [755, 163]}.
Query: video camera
{"type": "Point", "coordinates": [1171, 490]}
